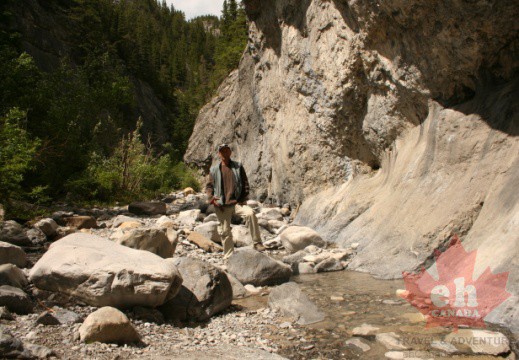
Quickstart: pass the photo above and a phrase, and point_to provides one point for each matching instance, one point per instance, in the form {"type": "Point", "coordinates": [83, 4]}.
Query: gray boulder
{"type": "Point", "coordinates": [36, 236]}
{"type": "Point", "coordinates": [12, 254]}
{"type": "Point", "coordinates": [330, 264]}
{"type": "Point", "coordinates": [205, 291]}
{"type": "Point", "coordinates": [47, 226]}
{"type": "Point", "coordinates": [147, 208]}
{"type": "Point", "coordinates": [16, 300]}
{"type": "Point", "coordinates": [11, 275]}
{"type": "Point", "coordinates": [296, 238]}
{"type": "Point", "coordinates": [152, 240]}
{"type": "Point", "coordinates": [108, 325]}
{"type": "Point", "coordinates": [58, 316]}
{"type": "Point", "coordinates": [211, 217]}
{"type": "Point", "coordinates": [101, 272]}
{"type": "Point", "coordinates": [291, 301]}
{"type": "Point", "coordinates": [210, 231]}
{"type": "Point", "coordinates": [252, 267]}
{"type": "Point", "coordinates": [241, 236]}
{"type": "Point", "coordinates": [238, 290]}
{"type": "Point", "coordinates": [270, 214]}
{"type": "Point", "coordinates": [11, 347]}
{"type": "Point", "coordinates": [188, 217]}
{"type": "Point", "coordinates": [121, 219]}
{"type": "Point", "coordinates": [13, 233]}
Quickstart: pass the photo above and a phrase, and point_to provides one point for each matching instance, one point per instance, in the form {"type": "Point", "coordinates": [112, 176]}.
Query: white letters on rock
{"type": "Point", "coordinates": [103, 273]}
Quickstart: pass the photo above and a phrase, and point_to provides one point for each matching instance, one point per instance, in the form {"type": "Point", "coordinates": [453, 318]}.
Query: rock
{"type": "Point", "coordinates": [329, 264]}
{"type": "Point", "coordinates": [11, 232]}
{"type": "Point", "coordinates": [295, 258]}
{"type": "Point", "coordinates": [297, 238]}
{"type": "Point", "coordinates": [272, 243]}
{"type": "Point", "coordinates": [108, 325]}
{"type": "Point", "coordinates": [238, 290]}
{"type": "Point", "coordinates": [317, 258]}
{"type": "Point", "coordinates": [36, 236]}
{"type": "Point", "coordinates": [357, 344]}
{"type": "Point", "coordinates": [11, 347]}
{"type": "Point", "coordinates": [39, 351]}
{"type": "Point", "coordinates": [47, 226]}
{"type": "Point", "coordinates": [188, 217]}
{"type": "Point", "coordinates": [12, 254]}
{"type": "Point", "coordinates": [189, 191]}
{"type": "Point", "coordinates": [444, 346]}
{"type": "Point", "coordinates": [148, 315]}
{"type": "Point", "coordinates": [253, 204]}
{"type": "Point", "coordinates": [270, 214]}
{"type": "Point", "coordinates": [147, 208]}
{"type": "Point", "coordinates": [11, 275]}
{"type": "Point", "coordinates": [480, 341]}
{"type": "Point", "coordinates": [391, 341]}
{"type": "Point", "coordinates": [210, 231]}
{"type": "Point", "coordinates": [64, 231]}
{"type": "Point", "coordinates": [252, 267]}
{"type": "Point", "coordinates": [165, 222]}
{"type": "Point", "coordinates": [173, 237]}
{"type": "Point", "coordinates": [354, 246]}
{"type": "Point", "coordinates": [204, 243]}
{"type": "Point", "coordinates": [120, 219]}
{"type": "Point", "coordinates": [241, 235]}
{"type": "Point", "coordinates": [81, 222]}
{"type": "Point", "coordinates": [252, 289]}
{"type": "Point", "coordinates": [152, 240]}
{"type": "Point", "coordinates": [341, 255]}
{"type": "Point", "coordinates": [285, 211]}
{"type": "Point", "coordinates": [130, 225]}
{"type": "Point", "coordinates": [5, 314]}
{"type": "Point", "coordinates": [305, 268]}
{"type": "Point", "coordinates": [58, 316]}
{"type": "Point", "coordinates": [211, 217]}
{"type": "Point", "coordinates": [101, 273]}
{"type": "Point", "coordinates": [291, 301]}
{"type": "Point", "coordinates": [205, 291]}
{"type": "Point", "coordinates": [365, 330]}
{"type": "Point", "coordinates": [274, 225]}
{"type": "Point", "coordinates": [16, 300]}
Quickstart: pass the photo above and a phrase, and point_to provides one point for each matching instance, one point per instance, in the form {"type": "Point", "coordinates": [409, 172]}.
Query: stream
{"type": "Point", "coordinates": [350, 299]}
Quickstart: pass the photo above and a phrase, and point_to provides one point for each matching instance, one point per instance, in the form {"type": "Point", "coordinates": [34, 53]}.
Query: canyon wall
{"type": "Point", "coordinates": [392, 124]}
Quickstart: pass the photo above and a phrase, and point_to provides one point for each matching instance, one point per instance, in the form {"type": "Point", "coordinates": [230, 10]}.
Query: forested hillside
{"type": "Point", "coordinates": [76, 77]}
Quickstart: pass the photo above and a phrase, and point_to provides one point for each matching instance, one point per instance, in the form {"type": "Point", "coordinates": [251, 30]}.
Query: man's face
{"type": "Point", "coordinates": [225, 154]}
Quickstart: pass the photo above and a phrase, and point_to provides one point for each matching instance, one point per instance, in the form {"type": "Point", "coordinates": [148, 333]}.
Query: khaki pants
{"type": "Point", "coordinates": [224, 214]}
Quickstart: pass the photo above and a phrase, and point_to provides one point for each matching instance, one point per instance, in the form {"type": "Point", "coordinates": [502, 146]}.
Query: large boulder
{"type": "Point", "coordinates": [12, 254]}
{"type": "Point", "coordinates": [103, 273]}
{"type": "Point", "coordinates": [47, 226]}
{"type": "Point", "coordinates": [205, 291]}
{"type": "Point", "coordinates": [108, 325]}
{"type": "Point", "coordinates": [291, 301]}
{"type": "Point", "coordinates": [147, 208]}
{"type": "Point", "coordinates": [210, 231]}
{"type": "Point", "coordinates": [11, 275]}
{"type": "Point", "coordinates": [152, 240]}
{"type": "Point", "coordinates": [13, 233]}
{"type": "Point", "coordinates": [16, 300]}
{"type": "Point", "coordinates": [296, 238]}
{"type": "Point", "coordinates": [252, 267]}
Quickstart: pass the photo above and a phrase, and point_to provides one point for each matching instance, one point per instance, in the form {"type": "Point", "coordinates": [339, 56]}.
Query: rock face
{"type": "Point", "coordinates": [102, 273]}
{"type": "Point", "coordinates": [291, 301]}
{"type": "Point", "coordinates": [205, 291]}
{"type": "Point", "coordinates": [108, 325]}
{"type": "Point", "coordinates": [252, 267]}
{"type": "Point", "coordinates": [393, 123]}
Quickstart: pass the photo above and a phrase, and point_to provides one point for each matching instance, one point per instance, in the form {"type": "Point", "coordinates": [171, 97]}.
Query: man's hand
{"type": "Point", "coordinates": [214, 201]}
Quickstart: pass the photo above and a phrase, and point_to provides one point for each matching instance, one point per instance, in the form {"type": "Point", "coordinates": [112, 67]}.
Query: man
{"type": "Point", "coordinates": [227, 189]}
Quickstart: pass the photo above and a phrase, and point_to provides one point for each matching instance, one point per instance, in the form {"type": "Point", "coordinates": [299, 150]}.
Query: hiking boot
{"type": "Point", "coordinates": [259, 247]}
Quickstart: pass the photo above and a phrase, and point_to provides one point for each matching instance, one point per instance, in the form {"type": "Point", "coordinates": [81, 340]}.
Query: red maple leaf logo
{"type": "Point", "coordinates": [455, 298]}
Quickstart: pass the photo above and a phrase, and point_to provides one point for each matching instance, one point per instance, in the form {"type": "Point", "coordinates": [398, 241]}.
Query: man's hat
{"type": "Point", "coordinates": [222, 146]}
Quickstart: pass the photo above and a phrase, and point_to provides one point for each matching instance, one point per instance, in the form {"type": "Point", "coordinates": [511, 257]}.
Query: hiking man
{"type": "Point", "coordinates": [227, 189]}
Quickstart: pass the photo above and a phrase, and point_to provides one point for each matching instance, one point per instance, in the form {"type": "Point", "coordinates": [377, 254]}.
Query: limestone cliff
{"type": "Point", "coordinates": [394, 123]}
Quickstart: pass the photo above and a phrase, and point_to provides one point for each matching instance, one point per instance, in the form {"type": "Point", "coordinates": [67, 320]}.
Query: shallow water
{"type": "Point", "coordinates": [366, 300]}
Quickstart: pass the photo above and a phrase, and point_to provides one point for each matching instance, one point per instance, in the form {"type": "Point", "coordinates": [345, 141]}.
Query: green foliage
{"type": "Point", "coordinates": [16, 153]}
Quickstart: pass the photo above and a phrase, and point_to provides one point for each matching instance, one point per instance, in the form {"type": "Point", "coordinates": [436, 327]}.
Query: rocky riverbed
{"type": "Point", "coordinates": [322, 313]}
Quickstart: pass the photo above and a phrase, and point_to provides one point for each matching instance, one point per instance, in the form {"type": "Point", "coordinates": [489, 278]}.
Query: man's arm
{"type": "Point", "coordinates": [244, 186]}
{"type": "Point", "coordinates": [209, 188]}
